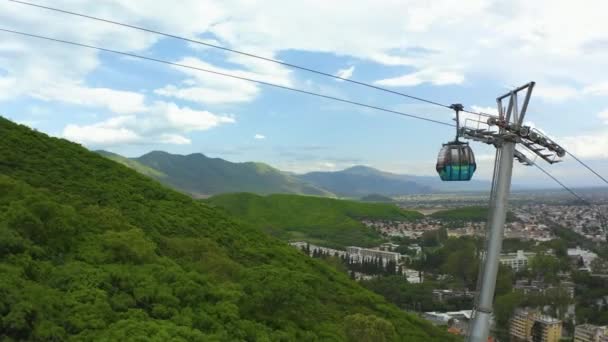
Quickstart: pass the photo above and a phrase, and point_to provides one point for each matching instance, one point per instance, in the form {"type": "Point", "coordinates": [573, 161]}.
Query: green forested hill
{"type": "Point", "coordinates": [321, 220]}
{"type": "Point", "coordinates": [91, 250]}
{"type": "Point", "coordinates": [200, 175]}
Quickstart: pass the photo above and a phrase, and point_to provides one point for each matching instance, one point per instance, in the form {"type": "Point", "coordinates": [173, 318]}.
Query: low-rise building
{"type": "Point", "coordinates": [442, 295]}
{"type": "Point", "coordinates": [541, 288]}
{"type": "Point", "coordinates": [590, 333]}
{"type": "Point", "coordinates": [518, 261]}
{"type": "Point", "coordinates": [412, 276]}
{"type": "Point", "coordinates": [359, 254]}
{"type": "Point", "coordinates": [586, 256]}
{"type": "Point", "coordinates": [546, 329]}
{"type": "Point", "coordinates": [530, 325]}
{"type": "Point", "coordinates": [388, 246]}
{"type": "Point", "coordinates": [520, 328]}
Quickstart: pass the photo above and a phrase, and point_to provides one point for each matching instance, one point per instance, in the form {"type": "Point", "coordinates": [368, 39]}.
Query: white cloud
{"type": "Point", "coordinates": [433, 76]}
{"type": "Point", "coordinates": [506, 42]}
{"type": "Point", "coordinates": [202, 87]}
{"type": "Point", "coordinates": [186, 119]}
{"type": "Point", "coordinates": [117, 101]}
{"type": "Point", "coordinates": [556, 93]}
{"type": "Point", "coordinates": [163, 123]}
{"type": "Point", "coordinates": [259, 136]}
{"type": "Point", "coordinates": [603, 115]}
{"type": "Point", "coordinates": [174, 139]}
{"type": "Point", "coordinates": [485, 110]}
{"type": "Point", "coordinates": [593, 145]}
{"type": "Point", "coordinates": [100, 135]}
{"type": "Point", "coordinates": [470, 37]}
{"type": "Point", "coordinates": [530, 35]}
{"type": "Point", "coordinates": [346, 73]}
{"type": "Point", "coordinates": [598, 89]}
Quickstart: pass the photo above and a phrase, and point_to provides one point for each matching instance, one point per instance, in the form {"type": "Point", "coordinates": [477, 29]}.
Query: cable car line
{"type": "Point", "coordinates": [272, 60]}
{"type": "Point", "coordinates": [562, 185]}
{"type": "Point", "coordinates": [294, 66]}
{"type": "Point", "coordinates": [587, 166]}
{"type": "Point", "coordinates": [261, 82]}
{"type": "Point", "coordinates": [158, 60]}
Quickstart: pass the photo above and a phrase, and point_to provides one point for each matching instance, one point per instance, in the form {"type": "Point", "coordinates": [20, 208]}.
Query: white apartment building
{"type": "Point", "coordinates": [590, 333]}
{"type": "Point", "coordinates": [517, 261]}
{"type": "Point", "coordinates": [359, 254]}
{"type": "Point", "coordinates": [584, 254]}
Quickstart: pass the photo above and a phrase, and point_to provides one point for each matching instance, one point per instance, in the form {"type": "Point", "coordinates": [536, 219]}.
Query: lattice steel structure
{"type": "Point", "coordinates": [504, 131]}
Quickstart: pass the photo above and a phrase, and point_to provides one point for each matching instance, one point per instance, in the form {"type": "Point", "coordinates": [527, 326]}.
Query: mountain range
{"type": "Point", "coordinates": [202, 176]}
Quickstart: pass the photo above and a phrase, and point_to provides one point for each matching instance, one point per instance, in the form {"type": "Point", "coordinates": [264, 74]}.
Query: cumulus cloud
{"type": "Point", "coordinates": [556, 93]}
{"type": "Point", "coordinates": [598, 89]}
{"type": "Point", "coordinates": [174, 139]}
{"type": "Point", "coordinates": [100, 134]}
{"type": "Point", "coordinates": [117, 101]}
{"type": "Point", "coordinates": [208, 88]}
{"type": "Point", "coordinates": [433, 76]}
{"type": "Point", "coordinates": [186, 119]}
{"type": "Point", "coordinates": [259, 136]}
{"type": "Point", "coordinates": [345, 73]}
{"type": "Point", "coordinates": [525, 33]}
{"type": "Point", "coordinates": [593, 145]}
{"type": "Point", "coordinates": [163, 123]}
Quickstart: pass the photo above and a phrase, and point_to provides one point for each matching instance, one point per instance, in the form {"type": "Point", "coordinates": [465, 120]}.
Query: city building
{"type": "Point", "coordinates": [413, 276]}
{"type": "Point", "coordinates": [416, 248]}
{"type": "Point", "coordinates": [442, 295]}
{"type": "Point", "coordinates": [540, 288]}
{"type": "Point", "coordinates": [546, 329]}
{"type": "Point", "coordinates": [517, 261]}
{"type": "Point", "coordinates": [531, 326]}
{"type": "Point", "coordinates": [586, 256]}
{"type": "Point", "coordinates": [359, 254]}
{"type": "Point", "coordinates": [521, 325]}
{"type": "Point", "coordinates": [457, 321]}
{"type": "Point", "coordinates": [388, 246]}
{"type": "Point", "coordinates": [590, 333]}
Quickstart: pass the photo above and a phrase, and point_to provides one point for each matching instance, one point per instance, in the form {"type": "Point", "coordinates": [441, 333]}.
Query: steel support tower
{"type": "Point", "coordinates": [504, 131]}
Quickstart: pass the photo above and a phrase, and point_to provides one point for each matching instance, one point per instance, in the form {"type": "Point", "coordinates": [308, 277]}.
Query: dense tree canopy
{"type": "Point", "coordinates": [327, 221]}
{"type": "Point", "coordinates": [89, 249]}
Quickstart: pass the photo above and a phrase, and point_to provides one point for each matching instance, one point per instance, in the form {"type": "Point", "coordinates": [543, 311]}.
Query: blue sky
{"type": "Point", "coordinates": [451, 52]}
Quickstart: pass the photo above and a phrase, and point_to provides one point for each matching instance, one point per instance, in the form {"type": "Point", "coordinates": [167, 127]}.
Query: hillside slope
{"type": "Point", "coordinates": [134, 164]}
{"type": "Point", "coordinates": [200, 175]}
{"type": "Point", "coordinates": [90, 249]}
{"type": "Point", "coordinates": [330, 222]}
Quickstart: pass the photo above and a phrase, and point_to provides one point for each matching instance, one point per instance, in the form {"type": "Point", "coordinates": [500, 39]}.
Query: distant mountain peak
{"type": "Point", "coordinates": [361, 169]}
{"type": "Point", "coordinates": [201, 176]}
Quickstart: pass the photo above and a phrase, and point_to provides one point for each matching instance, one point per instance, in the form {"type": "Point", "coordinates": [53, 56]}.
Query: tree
{"type": "Point", "coordinates": [368, 328]}
{"type": "Point", "coordinates": [545, 267]}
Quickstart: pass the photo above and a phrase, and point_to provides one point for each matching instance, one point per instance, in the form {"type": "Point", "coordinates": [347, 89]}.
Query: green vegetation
{"type": "Point", "coordinates": [90, 249]}
{"type": "Point", "coordinates": [414, 297]}
{"type": "Point", "coordinates": [328, 221]}
{"type": "Point", "coordinates": [472, 213]}
{"type": "Point", "coordinates": [376, 198]}
{"type": "Point", "coordinates": [201, 176]}
{"type": "Point", "coordinates": [134, 164]}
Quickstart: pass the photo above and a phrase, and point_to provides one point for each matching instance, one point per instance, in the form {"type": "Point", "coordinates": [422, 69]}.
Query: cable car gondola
{"type": "Point", "coordinates": [456, 161]}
